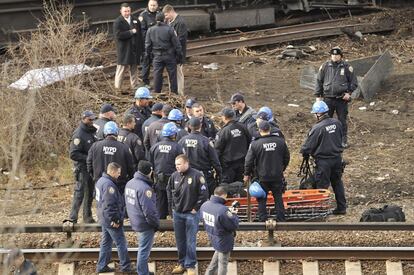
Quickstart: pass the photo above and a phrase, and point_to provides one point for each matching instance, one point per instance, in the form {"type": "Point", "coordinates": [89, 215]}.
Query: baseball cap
{"type": "Point", "coordinates": [227, 113]}
{"type": "Point", "coordinates": [236, 97]}
{"type": "Point", "coordinates": [264, 126]}
{"type": "Point", "coordinates": [157, 107]}
{"type": "Point", "coordinates": [263, 116]}
{"type": "Point", "coordinates": [107, 108]}
{"type": "Point", "coordinates": [88, 114]}
{"type": "Point", "coordinates": [189, 102]}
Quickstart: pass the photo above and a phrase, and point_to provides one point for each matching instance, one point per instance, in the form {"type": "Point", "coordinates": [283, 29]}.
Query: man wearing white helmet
{"type": "Point", "coordinates": [324, 144]}
{"type": "Point", "coordinates": [140, 109]}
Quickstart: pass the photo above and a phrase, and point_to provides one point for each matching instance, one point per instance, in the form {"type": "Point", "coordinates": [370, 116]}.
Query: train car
{"type": "Point", "coordinates": [22, 16]}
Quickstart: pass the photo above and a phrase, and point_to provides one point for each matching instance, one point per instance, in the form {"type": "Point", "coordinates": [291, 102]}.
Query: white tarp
{"type": "Point", "coordinates": [38, 78]}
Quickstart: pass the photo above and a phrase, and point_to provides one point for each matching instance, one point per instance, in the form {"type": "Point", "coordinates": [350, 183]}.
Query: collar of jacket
{"type": "Point", "coordinates": [105, 175]}
{"type": "Point", "coordinates": [90, 129]}
{"type": "Point", "coordinates": [323, 117]}
{"type": "Point", "coordinates": [217, 199]}
{"type": "Point", "coordinates": [139, 176]}
{"type": "Point", "coordinates": [112, 137]}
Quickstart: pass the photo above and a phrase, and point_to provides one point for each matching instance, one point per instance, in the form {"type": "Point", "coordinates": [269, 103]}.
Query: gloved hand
{"type": "Point", "coordinates": [305, 156]}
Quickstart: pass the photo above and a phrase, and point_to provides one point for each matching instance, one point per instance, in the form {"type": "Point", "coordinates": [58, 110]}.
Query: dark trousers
{"type": "Point", "coordinates": [146, 62]}
{"type": "Point", "coordinates": [233, 171]}
{"type": "Point", "coordinates": [277, 191]}
{"type": "Point", "coordinates": [329, 171]}
{"type": "Point", "coordinates": [162, 202]}
{"type": "Point", "coordinates": [82, 194]}
{"type": "Point", "coordinates": [211, 183]}
{"type": "Point", "coordinates": [341, 107]}
{"type": "Point", "coordinates": [159, 63]}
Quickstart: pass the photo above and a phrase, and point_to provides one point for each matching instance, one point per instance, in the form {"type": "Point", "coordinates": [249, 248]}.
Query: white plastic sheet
{"type": "Point", "coordinates": [38, 78]}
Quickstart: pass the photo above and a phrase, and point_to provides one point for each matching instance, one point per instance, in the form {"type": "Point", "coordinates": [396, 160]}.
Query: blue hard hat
{"type": "Point", "coordinates": [175, 115]}
{"type": "Point", "coordinates": [142, 93]}
{"type": "Point", "coordinates": [256, 190]}
{"type": "Point", "coordinates": [169, 129]}
{"type": "Point", "coordinates": [268, 111]}
{"type": "Point", "coordinates": [111, 128]}
{"type": "Point", "coordinates": [319, 107]}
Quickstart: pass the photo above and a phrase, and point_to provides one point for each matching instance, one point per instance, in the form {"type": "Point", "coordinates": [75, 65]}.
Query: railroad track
{"type": "Point", "coordinates": [270, 256]}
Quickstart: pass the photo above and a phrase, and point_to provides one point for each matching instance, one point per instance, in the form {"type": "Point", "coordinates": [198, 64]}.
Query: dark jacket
{"type": "Point", "coordinates": [208, 129]}
{"type": "Point", "coordinates": [148, 20]}
{"type": "Point", "coordinates": [324, 139]}
{"type": "Point", "coordinates": [268, 156]}
{"type": "Point", "coordinates": [162, 156]}
{"type": "Point", "coordinates": [129, 46]}
{"type": "Point", "coordinates": [141, 115]}
{"type": "Point", "coordinates": [200, 150]}
{"type": "Point", "coordinates": [274, 129]}
{"type": "Point", "coordinates": [99, 125]}
{"type": "Point", "coordinates": [335, 79]}
{"type": "Point", "coordinates": [246, 116]}
{"type": "Point", "coordinates": [82, 139]}
{"type": "Point", "coordinates": [182, 33]}
{"type": "Point", "coordinates": [106, 151]}
{"type": "Point", "coordinates": [148, 122]}
{"type": "Point", "coordinates": [181, 133]}
{"type": "Point", "coordinates": [134, 143]}
{"type": "Point", "coordinates": [186, 191]}
{"type": "Point", "coordinates": [141, 203]}
{"type": "Point", "coordinates": [27, 268]}
{"type": "Point", "coordinates": [109, 202]}
{"type": "Point", "coordinates": [232, 143]}
{"type": "Point", "coordinates": [220, 224]}
{"type": "Point", "coordinates": [162, 40]}
{"type": "Point", "coordinates": [153, 133]}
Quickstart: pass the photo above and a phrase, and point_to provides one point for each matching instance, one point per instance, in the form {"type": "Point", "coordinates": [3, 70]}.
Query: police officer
{"type": "Point", "coordinates": [268, 157]}
{"type": "Point", "coordinates": [186, 191]}
{"type": "Point", "coordinates": [82, 139]}
{"type": "Point", "coordinates": [147, 18]}
{"type": "Point", "coordinates": [162, 157]}
{"type": "Point", "coordinates": [177, 117]}
{"type": "Point", "coordinates": [110, 150]}
{"type": "Point", "coordinates": [188, 109]}
{"type": "Point", "coordinates": [264, 114]}
{"type": "Point", "coordinates": [128, 137]}
{"type": "Point", "coordinates": [140, 109]}
{"type": "Point", "coordinates": [178, 23]}
{"type": "Point", "coordinates": [201, 153]}
{"type": "Point", "coordinates": [335, 83]}
{"type": "Point", "coordinates": [232, 143]}
{"type": "Point", "coordinates": [220, 223]}
{"type": "Point", "coordinates": [207, 125]}
{"type": "Point", "coordinates": [106, 114]}
{"type": "Point", "coordinates": [324, 144]}
{"type": "Point", "coordinates": [18, 265]}
{"type": "Point", "coordinates": [111, 212]}
{"type": "Point", "coordinates": [244, 114]}
{"type": "Point", "coordinates": [142, 212]}
{"type": "Point", "coordinates": [154, 129]}
{"type": "Point", "coordinates": [162, 42]}
{"type": "Point", "coordinates": [156, 114]}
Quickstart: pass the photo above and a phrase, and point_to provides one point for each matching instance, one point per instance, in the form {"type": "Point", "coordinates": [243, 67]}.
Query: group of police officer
{"type": "Point", "coordinates": [165, 163]}
{"type": "Point", "coordinates": [155, 37]}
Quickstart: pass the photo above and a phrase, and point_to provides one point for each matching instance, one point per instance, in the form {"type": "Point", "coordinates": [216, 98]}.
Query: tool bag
{"type": "Point", "coordinates": [388, 213]}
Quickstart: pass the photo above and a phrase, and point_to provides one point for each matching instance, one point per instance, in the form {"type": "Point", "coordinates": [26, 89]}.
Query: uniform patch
{"type": "Point", "coordinates": [134, 21]}
{"type": "Point", "coordinates": [229, 214]}
{"type": "Point", "coordinates": [351, 69]}
{"type": "Point", "coordinates": [203, 188]}
{"type": "Point", "coordinates": [111, 190]}
{"type": "Point", "coordinates": [76, 141]}
{"type": "Point", "coordinates": [139, 142]}
{"type": "Point", "coordinates": [202, 180]}
{"type": "Point", "coordinates": [148, 193]}
{"type": "Point", "coordinates": [140, 18]}
{"type": "Point", "coordinates": [190, 181]}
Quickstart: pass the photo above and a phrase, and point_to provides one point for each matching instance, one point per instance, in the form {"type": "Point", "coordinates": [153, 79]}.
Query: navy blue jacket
{"type": "Point", "coordinates": [274, 129]}
{"type": "Point", "coordinates": [109, 202]}
{"type": "Point", "coordinates": [162, 156]}
{"type": "Point", "coordinates": [99, 125]}
{"type": "Point", "coordinates": [82, 139]}
{"type": "Point", "coordinates": [219, 223]}
{"type": "Point", "coordinates": [141, 203]}
{"type": "Point", "coordinates": [324, 139]}
{"type": "Point", "coordinates": [141, 115]}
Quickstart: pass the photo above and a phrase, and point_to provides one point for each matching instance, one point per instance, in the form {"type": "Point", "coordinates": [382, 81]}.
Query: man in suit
{"type": "Point", "coordinates": [129, 45]}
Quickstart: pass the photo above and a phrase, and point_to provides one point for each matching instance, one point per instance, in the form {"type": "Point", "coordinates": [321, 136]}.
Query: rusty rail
{"type": "Point", "coordinates": [239, 253]}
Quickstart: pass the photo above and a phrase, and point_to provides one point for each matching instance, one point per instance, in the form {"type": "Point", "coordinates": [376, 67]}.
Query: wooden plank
{"type": "Point", "coordinates": [152, 267]}
{"type": "Point", "coordinates": [112, 265]}
{"type": "Point", "coordinates": [232, 268]}
{"type": "Point", "coordinates": [310, 268]}
{"type": "Point", "coordinates": [271, 268]}
{"type": "Point", "coordinates": [394, 268]}
{"type": "Point", "coordinates": [353, 268]}
{"type": "Point", "coordinates": [66, 269]}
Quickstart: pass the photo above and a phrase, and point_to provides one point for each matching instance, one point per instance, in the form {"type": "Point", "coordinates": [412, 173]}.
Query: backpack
{"type": "Point", "coordinates": [388, 213]}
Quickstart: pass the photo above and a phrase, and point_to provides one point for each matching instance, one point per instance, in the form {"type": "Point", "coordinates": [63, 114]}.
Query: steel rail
{"type": "Point", "coordinates": [239, 253]}
{"type": "Point", "coordinates": [279, 30]}
{"type": "Point", "coordinates": [291, 36]}
{"type": "Point", "coordinates": [167, 225]}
